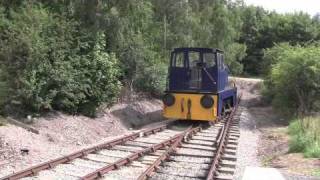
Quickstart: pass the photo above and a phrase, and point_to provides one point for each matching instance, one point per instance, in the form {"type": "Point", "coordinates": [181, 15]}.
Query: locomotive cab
{"type": "Point", "coordinates": [197, 85]}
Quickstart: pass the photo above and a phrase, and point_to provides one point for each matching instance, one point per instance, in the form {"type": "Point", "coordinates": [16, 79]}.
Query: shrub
{"type": "Point", "coordinates": [305, 136]}
{"type": "Point", "coordinates": [298, 141]}
{"type": "Point", "coordinates": [293, 83]}
{"type": "Point", "coordinates": [234, 55]}
{"type": "Point", "coordinates": [49, 62]}
{"type": "Point", "coordinates": [152, 79]}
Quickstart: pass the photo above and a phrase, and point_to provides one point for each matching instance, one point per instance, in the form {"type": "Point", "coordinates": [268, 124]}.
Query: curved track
{"type": "Point", "coordinates": [157, 153]}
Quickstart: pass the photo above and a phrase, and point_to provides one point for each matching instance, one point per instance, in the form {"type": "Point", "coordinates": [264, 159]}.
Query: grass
{"type": "Point", "coordinates": [316, 172]}
{"type": "Point", "coordinates": [266, 161]}
{"type": "Point", "coordinates": [305, 136]}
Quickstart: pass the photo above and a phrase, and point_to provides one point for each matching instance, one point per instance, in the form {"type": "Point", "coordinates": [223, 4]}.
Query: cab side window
{"type": "Point", "coordinates": [220, 61]}
{"type": "Point", "coordinates": [209, 59]}
{"type": "Point", "coordinates": [179, 60]}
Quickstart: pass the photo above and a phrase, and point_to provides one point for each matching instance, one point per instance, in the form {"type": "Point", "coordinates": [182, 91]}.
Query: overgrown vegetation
{"type": "Point", "coordinates": [316, 172]}
{"type": "Point", "coordinates": [262, 29]}
{"type": "Point", "coordinates": [293, 83]}
{"type": "Point", "coordinates": [305, 136]}
{"type": "Point", "coordinates": [74, 55]}
{"type": "Point", "coordinates": [47, 62]}
{"type": "Point", "coordinates": [293, 86]}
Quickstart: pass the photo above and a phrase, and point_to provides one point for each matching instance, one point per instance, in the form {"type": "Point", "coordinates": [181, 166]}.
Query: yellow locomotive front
{"type": "Point", "coordinates": [197, 85]}
{"type": "Point", "coordinates": [190, 106]}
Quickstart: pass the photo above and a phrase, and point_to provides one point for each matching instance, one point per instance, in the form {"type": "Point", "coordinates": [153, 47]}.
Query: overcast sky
{"type": "Point", "coordinates": [283, 6]}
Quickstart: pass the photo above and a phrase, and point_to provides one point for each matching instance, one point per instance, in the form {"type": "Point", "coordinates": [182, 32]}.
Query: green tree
{"type": "Point", "coordinates": [48, 63]}
{"type": "Point", "coordinates": [262, 29]}
{"type": "Point", "coordinates": [294, 81]}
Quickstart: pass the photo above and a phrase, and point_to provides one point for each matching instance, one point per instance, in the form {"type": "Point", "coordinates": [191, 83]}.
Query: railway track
{"type": "Point", "coordinates": [158, 153]}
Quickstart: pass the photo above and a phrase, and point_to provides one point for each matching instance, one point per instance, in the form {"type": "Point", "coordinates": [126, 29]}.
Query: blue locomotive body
{"type": "Point", "coordinates": [197, 86]}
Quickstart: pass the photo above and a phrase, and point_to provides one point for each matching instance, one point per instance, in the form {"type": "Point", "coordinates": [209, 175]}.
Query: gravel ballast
{"type": "Point", "coordinates": [62, 134]}
{"type": "Point", "coordinates": [247, 150]}
{"type": "Point", "coordinates": [247, 154]}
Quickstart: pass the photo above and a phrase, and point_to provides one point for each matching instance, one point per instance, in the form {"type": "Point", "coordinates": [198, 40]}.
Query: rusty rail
{"type": "Point", "coordinates": [32, 171]}
{"type": "Point", "coordinates": [222, 143]}
{"type": "Point", "coordinates": [147, 173]}
{"type": "Point", "coordinates": [99, 173]}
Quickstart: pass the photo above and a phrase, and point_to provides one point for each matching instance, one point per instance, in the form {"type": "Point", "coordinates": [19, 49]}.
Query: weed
{"type": "Point", "coordinates": [316, 172]}
{"type": "Point", "coordinates": [266, 161]}
{"type": "Point", "coordinates": [305, 136]}
{"type": "Point", "coordinates": [294, 127]}
{"type": "Point", "coordinates": [313, 151]}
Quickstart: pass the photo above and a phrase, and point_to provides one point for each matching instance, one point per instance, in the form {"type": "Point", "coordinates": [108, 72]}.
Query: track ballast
{"type": "Point", "coordinates": [157, 153]}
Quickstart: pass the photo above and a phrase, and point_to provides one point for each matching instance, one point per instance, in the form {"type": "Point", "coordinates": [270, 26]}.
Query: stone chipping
{"type": "Point", "coordinates": [83, 166]}
{"type": "Point", "coordinates": [161, 176]}
{"type": "Point", "coordinates": [61, 134]}
{"type": "Point", "coordinates": [247, 154]}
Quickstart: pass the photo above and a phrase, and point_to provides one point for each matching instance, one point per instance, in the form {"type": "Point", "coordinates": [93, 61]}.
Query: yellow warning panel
{"type": "Point", "coordinates": [188, 106]}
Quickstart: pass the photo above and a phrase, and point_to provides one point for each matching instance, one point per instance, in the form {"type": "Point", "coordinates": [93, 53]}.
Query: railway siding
{"type": "Point", "coordinates": [158, 153]}
{"type": "Point", "coordinates": [90, 155]}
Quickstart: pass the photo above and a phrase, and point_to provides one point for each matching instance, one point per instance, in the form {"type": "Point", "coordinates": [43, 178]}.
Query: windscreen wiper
{"type": "Point", "coordinates": [209, 75]}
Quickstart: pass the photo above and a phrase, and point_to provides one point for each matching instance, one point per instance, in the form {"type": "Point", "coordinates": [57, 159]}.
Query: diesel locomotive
{"type": "Point", "coordinates": [197, 85]}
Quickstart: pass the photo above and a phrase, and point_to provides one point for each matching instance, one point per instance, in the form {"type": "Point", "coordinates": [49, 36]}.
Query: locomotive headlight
{"type": "Point", "coordinates": [206, 101]}
{"type": "Point", "coordinates": [168, 99]}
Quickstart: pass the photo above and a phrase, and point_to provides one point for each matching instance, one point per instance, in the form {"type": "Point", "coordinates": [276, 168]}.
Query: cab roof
{"type": "Point", "coordinates": [184, 49]}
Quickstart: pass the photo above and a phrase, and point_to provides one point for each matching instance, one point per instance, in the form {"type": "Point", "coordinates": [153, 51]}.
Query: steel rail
{"type": "Point", "coordinates": [32, 171]}
{"type": "Point", "coordinates": [123, 161]}
{"type": "Point", "coordinates": [148, 172]}
{"type": "Point", "coordinates": [221, 144]}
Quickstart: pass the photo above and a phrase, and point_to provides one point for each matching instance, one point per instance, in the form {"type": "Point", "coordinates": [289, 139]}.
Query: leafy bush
{"type": "Point", "coordinates": [48, 63]}
{"type": "Point", "coordinates": [271, 56]}
{"type": "Point", "coordinates": [152, 79]}
{"type": "Point", "coordinates": [305, 136]}
{"type": "Point", "coordinates": [293, 84]}
{"type": "Point", "coordinates": [234, 55]}
{"type": "Point", "coordinates": [53, 53]}
{"type": "Point", "coordinates": [133, 37]}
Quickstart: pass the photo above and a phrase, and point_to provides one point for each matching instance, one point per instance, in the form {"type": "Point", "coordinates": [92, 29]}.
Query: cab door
{"type": "Point", "coordinates": [209, 72]}
{"type": "Point", "coordinates": [178, 72]}
{"type": "Point", "coordinates": [195, 71]}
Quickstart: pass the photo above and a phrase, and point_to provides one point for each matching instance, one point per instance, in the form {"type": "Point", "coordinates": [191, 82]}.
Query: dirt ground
{"type": "Point", "coordinates": [273, 140]}
{"type": "Point", "coordinates": [61, 134]}
{"type": "Point", "coordinates": [274, 150]}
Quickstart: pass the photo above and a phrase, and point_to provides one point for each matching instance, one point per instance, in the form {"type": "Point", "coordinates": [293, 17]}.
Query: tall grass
{"type": "Point", "coordinates": [305, 136]}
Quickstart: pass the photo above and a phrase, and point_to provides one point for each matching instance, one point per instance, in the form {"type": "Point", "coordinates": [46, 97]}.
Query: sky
{"type": "Point", "coordinates": [287, 6]}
